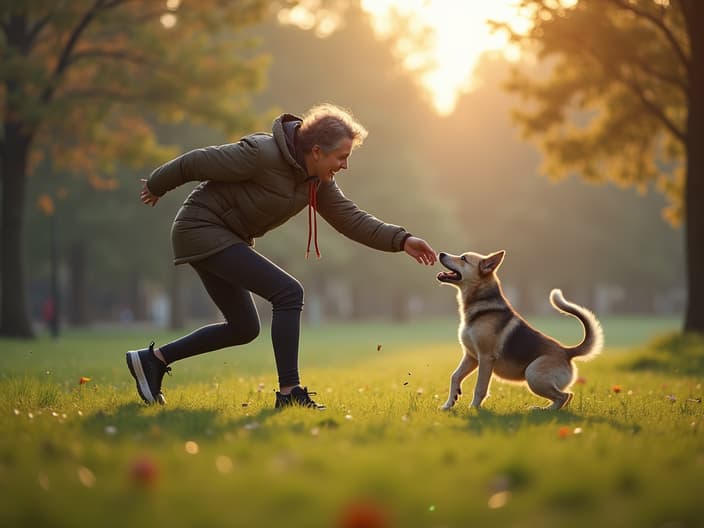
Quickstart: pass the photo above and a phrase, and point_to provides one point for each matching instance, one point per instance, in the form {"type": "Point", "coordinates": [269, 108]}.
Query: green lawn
{"type": "Point", "coordinates": [628, 452]}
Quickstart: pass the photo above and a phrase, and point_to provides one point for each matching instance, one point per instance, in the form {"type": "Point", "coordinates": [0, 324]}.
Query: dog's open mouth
{"type": "Point", "coordinates": [449, 276]}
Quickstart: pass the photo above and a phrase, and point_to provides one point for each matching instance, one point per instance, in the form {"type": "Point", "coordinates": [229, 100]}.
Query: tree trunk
{"type": "Point", "coordinates": [14, 317]}
{"type": "Point", "coordinates": [694, 185]}
{"type": "Point", "coordinates": [399, 307]}
{"type": "Point", "coordinates": [137, 300]}
{"type": "Point", "coordinates": [57, 301]}
{"type": "Point", "coordinates": [177, 319]}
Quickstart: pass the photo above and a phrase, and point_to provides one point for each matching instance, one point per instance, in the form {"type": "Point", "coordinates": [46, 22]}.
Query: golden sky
{"type": "Point", "coordinates": [458, 34]}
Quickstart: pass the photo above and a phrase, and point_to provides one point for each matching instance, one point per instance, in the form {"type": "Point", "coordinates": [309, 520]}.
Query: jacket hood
{"type": "Point", "coordinates": [284, 131]}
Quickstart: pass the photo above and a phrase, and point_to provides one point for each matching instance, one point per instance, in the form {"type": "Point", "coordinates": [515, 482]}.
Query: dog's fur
{"type": "Point", "coordinates": [496, 340]}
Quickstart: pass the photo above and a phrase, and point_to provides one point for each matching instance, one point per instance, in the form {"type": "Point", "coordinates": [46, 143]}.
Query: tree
{"type": "Point", "coordinates": [624, 101]}
{"type": "Point", "coordinates": [84, 82]}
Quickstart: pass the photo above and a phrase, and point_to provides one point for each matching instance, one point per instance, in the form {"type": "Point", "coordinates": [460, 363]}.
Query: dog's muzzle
{"type": "Point", "coordinates": [448, 276]}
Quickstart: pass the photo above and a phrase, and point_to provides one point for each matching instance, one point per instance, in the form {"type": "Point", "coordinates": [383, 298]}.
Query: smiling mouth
{"type": "Point", "coordinates": [449, 276]}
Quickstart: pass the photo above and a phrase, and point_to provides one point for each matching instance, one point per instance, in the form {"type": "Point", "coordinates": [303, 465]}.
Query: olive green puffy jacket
{"type": "Point", "coordinates": [250, 187]}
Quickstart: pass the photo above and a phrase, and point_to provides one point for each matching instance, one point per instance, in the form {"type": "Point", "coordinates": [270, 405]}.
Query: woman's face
{"type": "Point", "coordinates": [325, 165]}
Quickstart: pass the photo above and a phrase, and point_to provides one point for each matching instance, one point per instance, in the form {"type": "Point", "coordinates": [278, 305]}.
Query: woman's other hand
{"type": "Point", "coordinates": [146, 195]}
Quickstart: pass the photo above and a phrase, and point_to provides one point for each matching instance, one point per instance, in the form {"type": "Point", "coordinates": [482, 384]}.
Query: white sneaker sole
{"type": "Point", "coordinates": [138, 373]}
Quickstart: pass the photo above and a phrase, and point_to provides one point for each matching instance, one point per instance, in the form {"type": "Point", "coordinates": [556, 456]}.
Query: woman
{"type": "Point", "coordinates": [248, 188]}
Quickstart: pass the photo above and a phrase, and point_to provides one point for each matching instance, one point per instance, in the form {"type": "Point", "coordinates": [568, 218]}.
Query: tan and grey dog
{"type": "Point", "coordinates": [498, 341]}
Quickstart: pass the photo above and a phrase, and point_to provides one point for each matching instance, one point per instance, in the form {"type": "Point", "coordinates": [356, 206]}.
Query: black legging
{"type": "Point", "coordinates": [230, 277]}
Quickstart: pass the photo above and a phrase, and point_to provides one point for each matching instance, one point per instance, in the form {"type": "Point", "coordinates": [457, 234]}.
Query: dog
{"type": "Point", "coordinates": [497, 341]}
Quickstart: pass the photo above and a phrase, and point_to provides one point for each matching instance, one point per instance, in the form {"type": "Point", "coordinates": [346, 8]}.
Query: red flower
{"type": "Point", "coordinates": [616, 388]}
{"type": "Point", "coordinates": [364, 514]}
{"type": "Point", "coordinates": [144, 472]}
{"type": "Point", "coordinates": [83, 380]}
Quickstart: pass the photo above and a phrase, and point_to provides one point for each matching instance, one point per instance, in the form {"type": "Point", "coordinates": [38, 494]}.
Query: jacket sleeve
{"type": "Point", "coordinates": [229, 163]}
{"type": "Point", "coordinates": [347, 218]}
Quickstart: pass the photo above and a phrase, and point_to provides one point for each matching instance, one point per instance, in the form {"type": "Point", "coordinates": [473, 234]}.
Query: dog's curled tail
{"type": "Point", "coordinates": [593, 340]}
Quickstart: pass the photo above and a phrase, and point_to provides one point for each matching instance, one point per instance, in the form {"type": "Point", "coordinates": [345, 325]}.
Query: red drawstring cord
{"type": "Point", "coordinates": [312, 223]}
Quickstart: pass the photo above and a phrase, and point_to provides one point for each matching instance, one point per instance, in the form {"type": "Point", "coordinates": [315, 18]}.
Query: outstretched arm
{"type": "Point", "coordinates": [420, 250]}
{"type": "Point", "coordinates": [232, 163]}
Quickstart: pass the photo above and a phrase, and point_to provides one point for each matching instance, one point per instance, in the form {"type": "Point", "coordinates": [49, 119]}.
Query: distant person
{"type": "Point", "coordinates": [49, 315]}
{"type": "Point", "coordinates": [248, 188]}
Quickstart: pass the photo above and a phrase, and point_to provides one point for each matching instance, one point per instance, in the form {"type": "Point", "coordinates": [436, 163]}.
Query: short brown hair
{"type": "Point", "coordinates": [326, 125]}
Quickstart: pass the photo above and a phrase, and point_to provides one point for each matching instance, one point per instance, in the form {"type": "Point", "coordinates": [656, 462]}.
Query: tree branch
{"type": "Point", "coordinates": [114, 3]}
{"type": "Point", "coordinates": [633, 85]}
{"type": "Point", "coordinates": [109, 95]}
{"type": "Point", "coordinates": [684, 7]}
{"type": "Point", "coordinates": [588, 51]}
{"type": "Point", "coordinates": [670, 79]}
{"type": "Point", "coordinates": [654, 108]}
{"type": "Point", "coordinates": [34, 32]}
{"type": "Point", "coordinates": [658, 23]}
{"type": "Point", "coordinates": [63, 61]}
{"type": "Point", "coordinates": [122, 55]}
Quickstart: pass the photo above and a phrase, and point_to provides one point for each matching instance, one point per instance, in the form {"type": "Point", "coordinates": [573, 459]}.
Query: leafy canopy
{"type": "Point", "coordinates": [87, 79]}
{"type": "Point", "coordinates": [614, 104]}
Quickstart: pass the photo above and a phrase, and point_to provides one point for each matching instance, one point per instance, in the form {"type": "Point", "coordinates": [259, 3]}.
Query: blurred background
{"type": "Point", "coordinates": [445, 157]}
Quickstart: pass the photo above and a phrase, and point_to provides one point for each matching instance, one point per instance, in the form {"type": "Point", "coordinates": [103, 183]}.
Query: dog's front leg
{"type": "Point", "coordinates": [486, 367]}
{"type": "Point", "coordinates": [464, 369]}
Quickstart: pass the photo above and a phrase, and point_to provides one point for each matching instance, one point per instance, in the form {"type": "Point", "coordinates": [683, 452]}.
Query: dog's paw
{"type": "Point", "coordinates": [447, 406]}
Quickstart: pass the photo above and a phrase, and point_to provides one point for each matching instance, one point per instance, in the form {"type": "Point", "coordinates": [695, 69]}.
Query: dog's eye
{"type": "Point", "coordinates": [463, 258]}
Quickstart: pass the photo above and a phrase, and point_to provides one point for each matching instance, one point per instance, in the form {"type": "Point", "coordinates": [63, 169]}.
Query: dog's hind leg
{"type": "Point", "coordinates": [549, 378]}
{"type": "Point", "coordinates": [464, 369]}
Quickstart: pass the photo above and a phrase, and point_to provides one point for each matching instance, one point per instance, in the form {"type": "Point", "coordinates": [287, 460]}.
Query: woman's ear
{"type": "Point", "coordinates": [316, 152]}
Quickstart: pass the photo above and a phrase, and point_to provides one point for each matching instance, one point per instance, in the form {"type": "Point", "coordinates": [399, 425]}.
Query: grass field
{"type": "Point", "coordinates": [628, 452]}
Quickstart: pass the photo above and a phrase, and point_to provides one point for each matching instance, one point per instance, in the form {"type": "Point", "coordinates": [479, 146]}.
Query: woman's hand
{"type": "Point", "coordinates": [420, 250]}
{"type": "Point", "coordinates": [146, 195]}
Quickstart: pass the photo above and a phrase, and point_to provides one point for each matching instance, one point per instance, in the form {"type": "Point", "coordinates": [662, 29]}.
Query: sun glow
{"type": "Point", "coordinates": [456, 32]}
{"type": "Point", "coordinates": [441, 41]}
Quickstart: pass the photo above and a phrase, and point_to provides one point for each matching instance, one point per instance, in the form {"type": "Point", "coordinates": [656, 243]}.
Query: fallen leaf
{"type": "Point", "coordinates": [499, 500]}
{"type": "Point", "coordinates": [86, 477]}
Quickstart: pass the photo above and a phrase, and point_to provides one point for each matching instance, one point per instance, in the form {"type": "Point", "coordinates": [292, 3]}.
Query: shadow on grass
{"type": "Point", "coordinates": [488, 421]}
{"type": "Point", "coordinates": [135, 420]}
{"type": "Point", "coordinates": [673, 353]}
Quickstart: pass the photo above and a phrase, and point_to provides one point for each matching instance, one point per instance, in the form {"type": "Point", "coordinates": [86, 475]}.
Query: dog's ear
{"type": "Point", "coordinates": [491, 263]}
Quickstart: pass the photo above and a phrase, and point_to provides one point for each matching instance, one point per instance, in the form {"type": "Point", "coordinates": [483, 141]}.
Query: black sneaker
{"type": "Point", "coordinates": [148, 370]}
{"type": "Point", "coordinates": [299, 397]}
